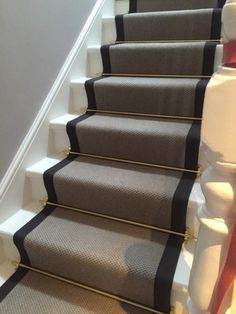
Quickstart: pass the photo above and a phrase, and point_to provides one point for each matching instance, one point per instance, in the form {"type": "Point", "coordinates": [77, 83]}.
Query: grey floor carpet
{"type": "Point", "coordinates": [120, 184]}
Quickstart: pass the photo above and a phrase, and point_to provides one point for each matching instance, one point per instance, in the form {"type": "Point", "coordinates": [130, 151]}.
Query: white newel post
{"type": "Point", "coordinates": [218, 215]}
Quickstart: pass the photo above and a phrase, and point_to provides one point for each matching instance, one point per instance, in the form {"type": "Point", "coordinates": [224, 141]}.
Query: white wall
{"type": "Point", "coordinates": [35, 38]}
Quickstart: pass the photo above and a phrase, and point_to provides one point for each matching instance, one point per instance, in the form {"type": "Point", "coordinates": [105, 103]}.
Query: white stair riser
{"type": "Point", "coordinates": [94, 61]}
{"type": "Point", "coordinates": [7, 269]}
{"type": "Point", "coordinates": [122, 6]}
{"type": "Point", "coordinates": [9, 247]}
{"type": "Point", "coordinates": [108, 30]}
{"type": "Point", "coordinates": [34, 178]}
{"type": "Point", "coordinates": [60, 140]}
{"type": "Point", "coordinates": [36, 184]}
{"type": "Point", "coordinates": [79, 100]}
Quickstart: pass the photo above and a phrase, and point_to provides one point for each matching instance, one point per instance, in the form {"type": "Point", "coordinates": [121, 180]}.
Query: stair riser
{"type": "Point", "coordinates": [195, 200]}
{"type": "Point", "coordinates": [153, 141]}
{"type": "Point", "coordinates": [61, 143]}
{"type": "Point", "coordinates": [152, 96]}
{"type": "Point", "coordinates": [169, 5]}
{"type": "Point", "coordinates": [60, 140]}
{"type": "Point", "coordinates": [95, 66]}
{"type": "Point", "coordinates": [35, 182]}
{"type": "Point", "coordinates": [121, 6]}
{"type": "Point", "coordinates": [108, 30]}
{"type": "Point", "coordinates": [94, 63]}
{"type": "Point", "coordinates": [79, 100]}
{"type": "Point", "coordinates": [173, 22]}
{"type": "Point", "coordinates": [9, 247]}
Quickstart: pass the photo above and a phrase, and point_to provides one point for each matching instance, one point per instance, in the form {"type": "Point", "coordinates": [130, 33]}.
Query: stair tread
{"type": "Point", "coordinates": [135, 193]}
{"type": "Point", "coordinates": [178, 58]}
{"type": "Point", "coordinates": [169, 25]}
{"type": "Point", "coordinates": [48, 295]}
{"type": "Point", "coordinates": [43, 164]}
{"type": "Point", "coordinates": [110, 256]}
{"type": "Point", "coordinates": [61, 120]}
{"type": "Point", "coordinates": [160, 5]}
{"type": "Point", "coordinates": [163, 96]}
{"type": "Point", "coordinates": [196, 199]}
{"type": "Point", "coordinates": [15, 222]}
{"type": "Point", "coordinates": [150, 140]}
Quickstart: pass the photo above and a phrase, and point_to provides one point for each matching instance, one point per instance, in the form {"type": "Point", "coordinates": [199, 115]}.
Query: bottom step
{"type": "Point", "coordinates": [36, 293]}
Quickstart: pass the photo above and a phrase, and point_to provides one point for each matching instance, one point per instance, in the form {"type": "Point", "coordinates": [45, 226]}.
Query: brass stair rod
{"type": "Point", "coordinates": [145, 115]}
{"type": "Point", "coordinates": [197, 172]}
{"type": "Point", "coordinates": [91, 289]}
{"type": "Point", "coordinates": [187, 236]}
{"type": "Point", "coordinates": [167, 41]}
{"type": "Point", "coordinates": [154, 75]}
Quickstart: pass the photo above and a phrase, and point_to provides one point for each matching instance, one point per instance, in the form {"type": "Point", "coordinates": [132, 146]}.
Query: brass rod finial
{"type": "Point", "coordinates": [44, 201]}
{"type": "Point", "coordinates": [83, 110]}
{"type": "Point", "coordinates": [66, 151]}
{"type": "Point", "coordinates": [200, 171]}
{"type": "Point", "coordinates": [188, 236]}
{"type": "Point", "coordinates": [15, 264]}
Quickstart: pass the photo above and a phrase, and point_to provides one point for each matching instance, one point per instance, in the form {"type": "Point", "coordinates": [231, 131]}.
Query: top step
{"type": "Point", "coordinates": [171, 5]}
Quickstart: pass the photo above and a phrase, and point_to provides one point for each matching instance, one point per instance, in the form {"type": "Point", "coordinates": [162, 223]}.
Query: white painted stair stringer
{"type": "Point", "coordinates": [15, 193]}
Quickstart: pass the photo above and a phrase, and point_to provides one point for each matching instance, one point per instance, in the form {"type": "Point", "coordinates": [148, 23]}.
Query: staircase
{"type": "Point", "coordinates": [118, 228]}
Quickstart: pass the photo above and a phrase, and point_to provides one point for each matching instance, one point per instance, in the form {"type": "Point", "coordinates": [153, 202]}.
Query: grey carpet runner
{"type": "Point", "coordinates": [179, 58]}
{"type": "Point", "coordinates": [36, 293]}
{"type": "Point", "coordinates": [114, 225]}
{"type": "Point", "coordinates": [170, 25]}
{"type": "Point", "coordinates": [178, 97]}
{"type": "Point", "coordinates": [168, 5]}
